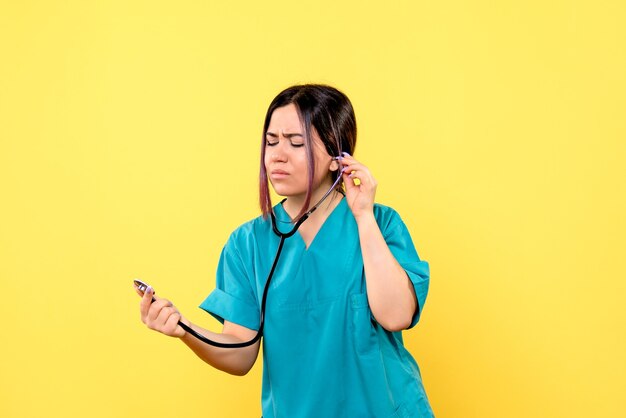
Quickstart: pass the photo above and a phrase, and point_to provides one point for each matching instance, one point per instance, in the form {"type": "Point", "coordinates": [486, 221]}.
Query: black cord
{"type": "Point", "coordinates": [283, 237]}
{"type": "Point", "coordinates": [259, 333]}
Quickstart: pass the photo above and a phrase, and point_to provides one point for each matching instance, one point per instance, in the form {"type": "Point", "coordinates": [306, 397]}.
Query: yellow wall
{"type": "Point", "coordinates": [129, 135]}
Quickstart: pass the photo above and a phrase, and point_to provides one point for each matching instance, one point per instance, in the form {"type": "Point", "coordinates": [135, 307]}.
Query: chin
{"type": "Point", "coordinates": [289, 194]}
{"type": "Point", "coordinates": [286, 191]}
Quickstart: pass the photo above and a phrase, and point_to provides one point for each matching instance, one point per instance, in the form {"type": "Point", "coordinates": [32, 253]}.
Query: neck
{"type": "Point", "coordinates": [293, 204]}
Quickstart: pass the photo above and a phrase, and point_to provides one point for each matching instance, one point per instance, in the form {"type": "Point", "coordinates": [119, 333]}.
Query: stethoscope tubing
{"type": "Point", "coordinates": [283, 236]}
{"type": "Point", "coordinates": [259, 333]}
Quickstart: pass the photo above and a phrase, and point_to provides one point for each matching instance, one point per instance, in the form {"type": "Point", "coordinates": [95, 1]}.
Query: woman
{"type": "Point", "coordinates": [345, 286]}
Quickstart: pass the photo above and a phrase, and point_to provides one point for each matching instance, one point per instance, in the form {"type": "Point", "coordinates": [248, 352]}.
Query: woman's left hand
{"type": "Point", "coordinates": [359, 197]}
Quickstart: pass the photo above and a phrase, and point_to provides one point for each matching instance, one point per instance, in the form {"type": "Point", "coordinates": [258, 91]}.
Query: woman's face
{"type": "Point", "coordinates": [286, 157]}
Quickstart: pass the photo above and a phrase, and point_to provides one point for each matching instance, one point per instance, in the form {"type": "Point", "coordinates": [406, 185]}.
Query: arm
{"type": "Point", "coordinates": [162, 316]}
{"type": "Point", "coordinates": [390, 293]}
{"type": "Point", "coordinates": [237, 361]}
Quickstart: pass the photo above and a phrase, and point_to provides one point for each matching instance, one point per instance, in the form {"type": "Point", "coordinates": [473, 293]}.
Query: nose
{"type": "Point", "coordinates": [278, 153]}
{"type": "Point", "coordinates": [278, 157]}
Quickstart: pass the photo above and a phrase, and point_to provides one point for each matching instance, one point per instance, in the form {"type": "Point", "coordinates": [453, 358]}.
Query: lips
{"type": "Point", "coordinates": [278, 174]}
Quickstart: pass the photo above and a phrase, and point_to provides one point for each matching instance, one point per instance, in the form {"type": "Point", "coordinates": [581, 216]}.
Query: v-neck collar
{"type": "Point", "coordinates": [285, 223]}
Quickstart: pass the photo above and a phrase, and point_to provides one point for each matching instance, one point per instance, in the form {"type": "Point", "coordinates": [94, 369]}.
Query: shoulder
{"type": "Point", "coordinates": [249, 233]}
{"type": "Point", "coordinates": [386, 217]}
{"type": "Point", "coordinates": [252, 234]}
{"type": "Point", "coordinates": [395, 232]}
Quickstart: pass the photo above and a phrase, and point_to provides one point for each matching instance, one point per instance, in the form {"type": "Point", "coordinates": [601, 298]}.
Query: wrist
{"type": "Point", "coordinates": [184, 332]}
{"type": "Point", "coordinates": [364, 218]}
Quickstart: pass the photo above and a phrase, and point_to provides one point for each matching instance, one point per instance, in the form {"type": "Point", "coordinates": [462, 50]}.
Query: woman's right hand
{"type": "Point", "coordinates": [160, 315]}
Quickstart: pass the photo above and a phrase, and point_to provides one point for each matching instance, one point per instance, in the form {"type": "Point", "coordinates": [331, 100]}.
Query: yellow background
{"type": "Point", "coordinates": [129, 139]}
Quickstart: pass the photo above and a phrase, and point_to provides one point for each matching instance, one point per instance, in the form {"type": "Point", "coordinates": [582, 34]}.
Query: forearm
{"type": "Point", "coordinates": [237, 361]}
{"type": "Point", "coordinates": [390, 292]}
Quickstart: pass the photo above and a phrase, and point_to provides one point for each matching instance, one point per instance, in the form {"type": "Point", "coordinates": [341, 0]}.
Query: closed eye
{"type": "Point", "coordinates": [295, 139]}
{"type": "Point", "coordinates": [274, 142]}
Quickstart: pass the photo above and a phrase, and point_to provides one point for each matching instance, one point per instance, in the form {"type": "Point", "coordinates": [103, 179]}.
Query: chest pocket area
{"type": "Point", "coordinates": [363, 325]}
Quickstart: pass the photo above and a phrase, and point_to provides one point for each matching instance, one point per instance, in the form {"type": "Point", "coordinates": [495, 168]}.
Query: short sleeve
{"type": "Point", "coordinates": [233, 298]}
{"type": "Point", "coordinates": [401, 245]}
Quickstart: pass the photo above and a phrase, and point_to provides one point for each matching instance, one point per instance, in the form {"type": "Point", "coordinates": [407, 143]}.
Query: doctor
{"type": "Point", "coordinates": [347, 283]}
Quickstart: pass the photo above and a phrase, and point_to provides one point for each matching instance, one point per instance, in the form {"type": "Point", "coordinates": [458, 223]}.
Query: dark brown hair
{"type": "Point", "coordinates": [320, 107]}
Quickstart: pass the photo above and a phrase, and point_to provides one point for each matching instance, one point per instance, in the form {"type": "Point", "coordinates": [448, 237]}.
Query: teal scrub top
{"type": "Point", "coordinates": [324, 354]}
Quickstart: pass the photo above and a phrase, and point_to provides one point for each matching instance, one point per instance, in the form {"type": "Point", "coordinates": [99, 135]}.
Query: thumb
{"type": "Point", "coordinates": [349, 182]}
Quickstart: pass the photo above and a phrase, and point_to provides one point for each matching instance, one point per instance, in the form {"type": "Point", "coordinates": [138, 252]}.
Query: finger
{"type": "Point", "coordinates": [347, 160]}
{"type": "Point", "coordinates": [164, 315]}
{"type": "Point", "coordinates": [348, 181]}
{"type": "Point", "coordinates": [358, 170]}
{"type": "Point", "coordinates": [363, 171]}
{"type": "Point", "coordinates": [352, 162]}
{"type": "Point", "coordinates": [167, 322]}
{"type": "Point", "coordinates": [171, 324]}
{"type": "Point", "coordinates": [156, 307]}
{"type": "Point", "coordinates": [146, 301]}
{"type": "Point", "coordinates": [351, 166]}
{"type": "Point", "coordinates": [359, 175]}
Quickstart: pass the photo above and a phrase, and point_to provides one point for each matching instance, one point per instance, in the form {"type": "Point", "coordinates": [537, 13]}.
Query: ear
{"type": "Point", "coordinates": [334, 165]}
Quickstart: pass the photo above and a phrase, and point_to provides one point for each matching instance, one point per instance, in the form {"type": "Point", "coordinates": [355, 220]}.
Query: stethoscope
{"type": "Point", "coordinates": [283, 236]}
